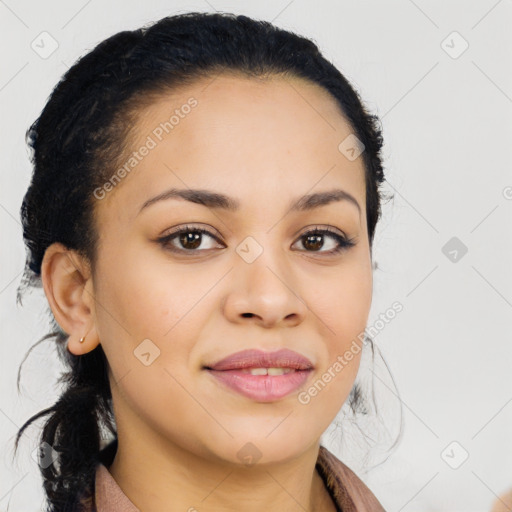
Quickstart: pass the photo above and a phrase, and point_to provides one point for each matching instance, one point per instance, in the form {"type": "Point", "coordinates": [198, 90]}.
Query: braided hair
{"type": "Point", "coordinates": [78, 140]}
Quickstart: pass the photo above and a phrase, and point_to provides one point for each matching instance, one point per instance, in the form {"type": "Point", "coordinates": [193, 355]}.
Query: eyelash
{"type": "Point", "coordinates": [343, 243]}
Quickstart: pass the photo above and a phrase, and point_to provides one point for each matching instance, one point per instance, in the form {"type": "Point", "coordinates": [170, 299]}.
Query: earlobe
{"type": "Point", "coordinates": [84, 343]}
{"type": "Point", "coordinates": [65, 276]}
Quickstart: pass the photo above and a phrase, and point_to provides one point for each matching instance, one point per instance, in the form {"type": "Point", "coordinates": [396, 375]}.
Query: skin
{"type": "Point", "coordinates": [263, 142]}
{"type": "Point", "coordinates": [503, 503]}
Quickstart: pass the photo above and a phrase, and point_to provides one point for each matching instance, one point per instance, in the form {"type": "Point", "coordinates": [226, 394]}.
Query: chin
{"type": "Point", "coordinates": [267, 446]}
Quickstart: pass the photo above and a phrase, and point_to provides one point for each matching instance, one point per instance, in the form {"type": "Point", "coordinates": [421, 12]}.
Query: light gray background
{"type": "Point", "coordinates": [447, 129]}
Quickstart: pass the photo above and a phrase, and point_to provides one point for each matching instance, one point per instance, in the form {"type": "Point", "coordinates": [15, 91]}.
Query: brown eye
{"type": "Point", "coordinates": [192, 238]}
{"type": "Point", "coordinates": [314, 240]}
{"type": "Point", "coordinates": [187, 239]}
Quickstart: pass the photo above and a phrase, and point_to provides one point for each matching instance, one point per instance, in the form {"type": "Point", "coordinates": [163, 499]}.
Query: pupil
{"type": "Point", "coordinates": [317, 239]}
{"type": "Point", "coordinates": [195, 237]}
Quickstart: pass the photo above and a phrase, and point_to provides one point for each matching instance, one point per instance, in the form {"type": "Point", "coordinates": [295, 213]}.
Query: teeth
{"type": "Point", "coordinates": [258, 371]}
{"type": "Point", "coordinates": [268, 371]}
{"type": "Point", "coordinates": [278, 371]}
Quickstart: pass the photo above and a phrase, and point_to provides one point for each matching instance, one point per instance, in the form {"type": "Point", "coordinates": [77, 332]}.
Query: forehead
{"type": "Point", "coordinates": [257, 106]}
{"type": "Point", "coordinates": [242, 135]}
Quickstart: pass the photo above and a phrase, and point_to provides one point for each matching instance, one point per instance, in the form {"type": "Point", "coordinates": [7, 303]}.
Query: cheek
{"type": "Point", "coordinates": [343, 311]}
{"type": "Point", "coordinates": [147, 337]}
{"type": "Point", "coordinates": [144, 297]}
{"type": "Point", "coordinates": [343, 304]}
{"type": "Point", "coordinates": [150, 313]}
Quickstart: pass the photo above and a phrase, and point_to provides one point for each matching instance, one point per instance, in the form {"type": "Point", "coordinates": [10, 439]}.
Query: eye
{"type": "Point", "coordinates": [189, 237]}
{"type": "Point", "coordinates": [315, 238]}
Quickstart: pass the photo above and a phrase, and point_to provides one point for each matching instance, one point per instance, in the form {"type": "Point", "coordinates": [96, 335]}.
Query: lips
{"type": "Point", "coordinates": [262, 376]}
{"type": "Point", "coordinates": [245, 359]}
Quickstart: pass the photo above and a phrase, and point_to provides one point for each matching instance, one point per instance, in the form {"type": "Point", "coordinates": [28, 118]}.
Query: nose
{"type": "Point", "coordinates": [264, 290]}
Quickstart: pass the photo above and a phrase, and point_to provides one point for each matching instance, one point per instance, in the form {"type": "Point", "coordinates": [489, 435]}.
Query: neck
{"type": "Point", "coordinates": [154, 475]}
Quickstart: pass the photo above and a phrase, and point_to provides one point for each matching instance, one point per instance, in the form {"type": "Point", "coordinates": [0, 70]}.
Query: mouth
{"type": "Point", "coordinates": [262, 376]}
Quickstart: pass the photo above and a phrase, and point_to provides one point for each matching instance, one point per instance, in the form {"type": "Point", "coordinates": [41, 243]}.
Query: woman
{"type": "Point", "coordinates": [201, 216]}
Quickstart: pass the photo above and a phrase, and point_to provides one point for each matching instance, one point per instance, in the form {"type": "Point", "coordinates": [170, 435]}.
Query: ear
{"type": "Point", "coordinates": [68, 286]}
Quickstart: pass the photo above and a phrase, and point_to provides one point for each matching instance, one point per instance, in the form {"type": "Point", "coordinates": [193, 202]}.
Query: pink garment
{"type": "Point", "coordinates": [348, 492]}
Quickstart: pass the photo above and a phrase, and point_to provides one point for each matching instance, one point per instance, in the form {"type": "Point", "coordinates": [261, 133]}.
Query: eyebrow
{"type": "Point", "coordinates": [217, 200]}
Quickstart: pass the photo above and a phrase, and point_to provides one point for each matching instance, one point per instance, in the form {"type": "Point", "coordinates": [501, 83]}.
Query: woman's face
{"type": "Point", "coordinates": [164, 311]}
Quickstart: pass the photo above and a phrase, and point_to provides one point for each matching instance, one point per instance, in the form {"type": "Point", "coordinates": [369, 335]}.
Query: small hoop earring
{"type": "Point", "coordinates": [82, 339]}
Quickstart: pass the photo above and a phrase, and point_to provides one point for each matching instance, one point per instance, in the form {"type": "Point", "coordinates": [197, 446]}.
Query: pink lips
{"type": "Point", "coordinates": [233, 371]}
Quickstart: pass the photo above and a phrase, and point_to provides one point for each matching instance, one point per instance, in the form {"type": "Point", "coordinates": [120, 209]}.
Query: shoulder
{"type": "Point", "coordinates": [503, 503]}
{"type": "Point", "coordinates": [349, 491]}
